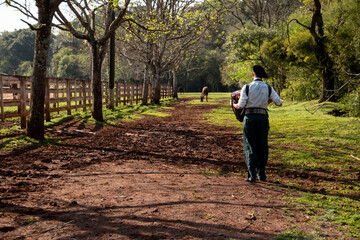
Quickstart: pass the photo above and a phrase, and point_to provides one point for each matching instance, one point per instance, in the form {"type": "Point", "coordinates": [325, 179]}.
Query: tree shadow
{"type": "Point", "coordinates": [100, 221]}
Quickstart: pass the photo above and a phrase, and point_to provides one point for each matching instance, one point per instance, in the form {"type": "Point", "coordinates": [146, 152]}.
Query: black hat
{"type": "Point", "coordinates": [260, 71]}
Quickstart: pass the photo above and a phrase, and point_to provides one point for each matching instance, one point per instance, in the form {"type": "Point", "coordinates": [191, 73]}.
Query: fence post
{"type": "Point", "coordinates": [23, 97]}
{"type": "Point", "coordinates": [131, 94]}
{"type": "Point", "coordinates": [76, 95]}
{"type": "Point", "coordinates": [68, 95]}
{"type": "Point", "coordinates": [90, 96]}
{"type": "Point", "coordinates": [57, 95]}
{"type": "Point", "coordinates": [47, 99]}
{"type": "Point", "coordinates": [84, 95]}
{"type": "Point", "coordinates": [137, 94]}
{"type": "Point", "coordinates": [125, 93]}
{"type": "Point", "coordinates": [116, 94]}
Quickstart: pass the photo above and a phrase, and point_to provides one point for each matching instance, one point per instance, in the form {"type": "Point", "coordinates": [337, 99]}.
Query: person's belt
{"type": "Point", "coordinates": [256, 111]}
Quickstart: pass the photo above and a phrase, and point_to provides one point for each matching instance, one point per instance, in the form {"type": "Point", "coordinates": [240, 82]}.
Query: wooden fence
{"type": "Point", "coordinates": [63, 95]}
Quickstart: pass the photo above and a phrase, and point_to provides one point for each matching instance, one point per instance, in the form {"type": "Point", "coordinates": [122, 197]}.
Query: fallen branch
{"type": "Point", "coordinates": [47, 230]}
{"type": "Point", "coordinates": [56, 226]}
{"type": "Point", "coordinates": [355, 157]}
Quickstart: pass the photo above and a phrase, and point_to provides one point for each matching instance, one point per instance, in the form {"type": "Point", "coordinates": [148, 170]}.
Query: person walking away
{"type": "Point", "coordinates": [204, 93]}
{"type": "Point", "coordinates": [255, 98]}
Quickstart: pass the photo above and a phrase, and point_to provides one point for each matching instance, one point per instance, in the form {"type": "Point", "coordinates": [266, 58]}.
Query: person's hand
{"type": "Point", "coordinates": [236, 106]}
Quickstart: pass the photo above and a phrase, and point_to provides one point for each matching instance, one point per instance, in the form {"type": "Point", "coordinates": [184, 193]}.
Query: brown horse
{"type": "Point", "coordinates": [204, 93]}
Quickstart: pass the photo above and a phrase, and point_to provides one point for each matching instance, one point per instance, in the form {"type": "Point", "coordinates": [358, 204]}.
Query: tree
{"type": "Point", "coordinates": [324, 60]}
{"type": "Point", "coordinates": [96, 35]}
{"type": "Point", "coordinates": [67, 63]}
{"type": "Point", "coordinates": [46, 10]}
{"type": "Point", "coordinates": [261, 13]}
{"type": "Point", "coordinates": [162, 34]}
{"type": "Point", "coordinates": [258, 22]}
{"type": "Point", "coordinates": [244, 50]}
{"type": "Point", "coordinates": [15, 48]}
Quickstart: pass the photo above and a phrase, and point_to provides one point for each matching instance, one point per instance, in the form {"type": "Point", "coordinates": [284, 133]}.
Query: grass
{"type": "Point", "coordinates": [22, 141]}
{"type": "Point", "coordinates": [213, 98]}
{"type": "Point", "coordinates": [321, 153]}
{"type": "Point", "coordinates": [295, 235]}
{"type": "Point", "coordinates": [222, 115]}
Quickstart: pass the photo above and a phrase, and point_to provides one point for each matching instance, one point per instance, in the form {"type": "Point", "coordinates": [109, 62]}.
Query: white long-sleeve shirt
{"type": "Point", "coordinates": [258, 95]}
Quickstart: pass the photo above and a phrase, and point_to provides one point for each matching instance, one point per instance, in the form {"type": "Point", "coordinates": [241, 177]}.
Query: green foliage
{"type": "Point", "coordinates": [245, 44]}
{"type": "Point", "coordinates": [68, 64]}
{"type": "Point", "coordinates": [237, 73]}
{"type": "Point", "coordinates": [301, 85]}
{"type": "Point", "coordinates": [344, 38]}
{"type": "Point", "coordinates": [290, 59]}
{"type": "Point", "coordinates": [208, 73]}
{"type": "Point", "coordinates": [249, 46]}
{"type": "Point", "coordinates": [274, 55]}
{"type": "Point", "coordinates": [25, 68]}
{"type": "Point", "coordinates": [351, 103]}
{"type": "Point", "coordinates": [15, 48]}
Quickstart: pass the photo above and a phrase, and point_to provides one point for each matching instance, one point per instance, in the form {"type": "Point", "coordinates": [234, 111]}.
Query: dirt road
{"type": "Point", "coordinates": [140, 180]}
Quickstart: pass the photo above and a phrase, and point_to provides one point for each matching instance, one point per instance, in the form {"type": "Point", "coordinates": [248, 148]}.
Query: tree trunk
{"type": "Point", "coordinates": [96, 83]}
{"type": "Point", "coordinates": [156, 94]}
{"type": "Point", "coordinates": [112, 67]}
{"type": "Point", "coordinates": [145, 86]}
{"type": "Point", "coordinates": [322, 56]}
{"type": "Point", "coordinates": [35, 125]}
{"type": "Point", "coordinates": [328, 78]}
{"type": "Point", "coordinates": [175, 92]}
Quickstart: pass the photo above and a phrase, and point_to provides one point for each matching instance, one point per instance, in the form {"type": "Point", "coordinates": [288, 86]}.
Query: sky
{"type": "Point", "coordinates": [10, 19]}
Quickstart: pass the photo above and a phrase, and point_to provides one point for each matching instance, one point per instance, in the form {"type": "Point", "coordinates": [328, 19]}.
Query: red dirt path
{"type": "Point", "coordinates": [139, 180]}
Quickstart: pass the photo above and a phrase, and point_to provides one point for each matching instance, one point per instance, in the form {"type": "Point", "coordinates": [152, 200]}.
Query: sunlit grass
{"type": "Point", "coordinates": [213, 98]}
{"type": "Point", "coordinates": [22, 141]}
{"type": "Point", "coordinates": [222, 115]}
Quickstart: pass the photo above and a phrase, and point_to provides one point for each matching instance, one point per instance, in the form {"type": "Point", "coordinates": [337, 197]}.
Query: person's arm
{"type": "Point", "coordinates": [274, 97]}
{"type": "Point", "coordinates": [243, 99]}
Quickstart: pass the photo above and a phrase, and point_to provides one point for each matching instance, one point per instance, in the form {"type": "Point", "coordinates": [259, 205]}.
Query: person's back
{"type": "Point", "coordinates": [259, 97]}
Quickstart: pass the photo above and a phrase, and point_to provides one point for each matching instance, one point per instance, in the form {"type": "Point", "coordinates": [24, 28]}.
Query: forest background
{"type": "Point", "coordinates": [310, 49]}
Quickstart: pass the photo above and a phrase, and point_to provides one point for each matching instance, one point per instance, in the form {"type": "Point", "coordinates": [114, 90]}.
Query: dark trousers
{"type": "Point", "coordinates": [255, 136]}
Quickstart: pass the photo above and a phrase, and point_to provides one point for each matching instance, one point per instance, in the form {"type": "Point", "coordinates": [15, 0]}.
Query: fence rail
{"type": "Point", "coordinates": [63, 95]}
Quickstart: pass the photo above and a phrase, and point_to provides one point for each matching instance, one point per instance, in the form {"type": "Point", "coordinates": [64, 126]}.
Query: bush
{"type": "Point", "coordinates": [350, 104]}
